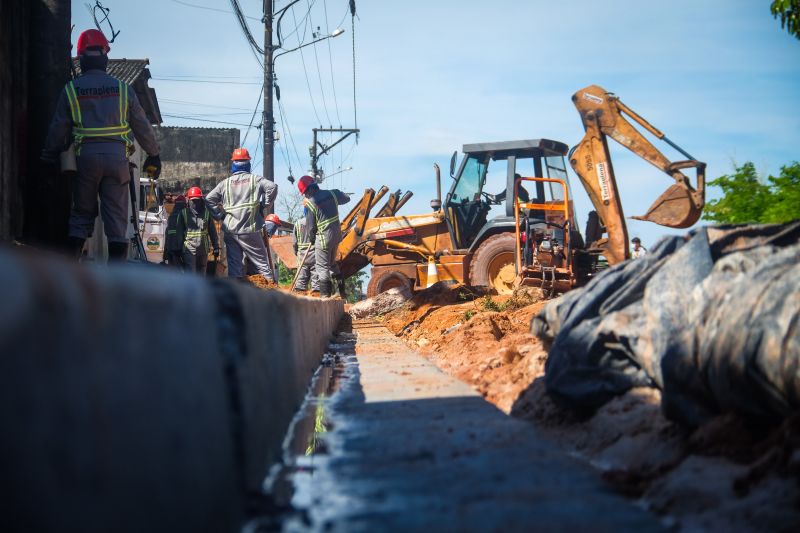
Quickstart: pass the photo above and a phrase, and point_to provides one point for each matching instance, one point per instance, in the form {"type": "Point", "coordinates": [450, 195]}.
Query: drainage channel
{"type": "Point", "coordinates": [291, 483]}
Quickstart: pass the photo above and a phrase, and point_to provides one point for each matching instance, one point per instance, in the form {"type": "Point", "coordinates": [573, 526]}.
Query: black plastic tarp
{"type": "Point", "coordinates": [712, 319]}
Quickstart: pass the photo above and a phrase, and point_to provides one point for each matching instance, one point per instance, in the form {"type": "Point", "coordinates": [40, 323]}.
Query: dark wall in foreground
{"type": "Point", "coordinates": [34, 65]}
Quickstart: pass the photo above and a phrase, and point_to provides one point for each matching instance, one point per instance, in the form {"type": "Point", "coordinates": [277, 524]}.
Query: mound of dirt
{"type": "Point", "coordinates": [484, 341]}
{"type": "Point", "coordinates": [258, 281]}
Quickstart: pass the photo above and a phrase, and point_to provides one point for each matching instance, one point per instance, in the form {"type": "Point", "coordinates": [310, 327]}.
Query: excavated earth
{"type": "Point", "coordinates": [727, 475]}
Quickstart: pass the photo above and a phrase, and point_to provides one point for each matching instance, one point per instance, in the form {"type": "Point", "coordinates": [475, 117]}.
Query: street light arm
{"type": "Point", "coordinates": [336, 33]}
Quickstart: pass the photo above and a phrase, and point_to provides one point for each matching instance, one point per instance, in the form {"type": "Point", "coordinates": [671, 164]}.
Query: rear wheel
{"type": "Point", "coordinates": [387, 279]}
{"type": "Point", "coordinates": [494, 264]}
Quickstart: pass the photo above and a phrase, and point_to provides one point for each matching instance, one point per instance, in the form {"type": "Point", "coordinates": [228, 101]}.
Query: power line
{"type": "Point", "coordinates": [330, 63]}
{"type": "Point", "coordinates": [258, 101]}
{"type": "Point", "coordinates": [305, 70]}
{"type": "Point", "coordinates": [188, 117]}
{"type": "Point", "coordinates": [200, 104]}
{"type": "Point", "coordinates": [204, 76]}
{"type": "Point", "coordinates": [237, 10]}
{"type": "Point", "coordinates": [197, 6]}
{"type": "Point", "coordinates": [210, 81]}
{"type": "Point", "coordinates": [319, 76]}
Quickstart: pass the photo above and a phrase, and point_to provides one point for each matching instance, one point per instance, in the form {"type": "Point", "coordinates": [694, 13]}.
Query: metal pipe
{"type": "Point", "coordinates": [390, 243]}
{"type": "Point", "coordinates": [406, 197]}
{"type": "Point", "coordinates": [436, 203]}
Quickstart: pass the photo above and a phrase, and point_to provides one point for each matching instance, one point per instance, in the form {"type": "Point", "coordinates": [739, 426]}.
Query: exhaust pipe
{"type": "Point", "coordinates": [436, 203]}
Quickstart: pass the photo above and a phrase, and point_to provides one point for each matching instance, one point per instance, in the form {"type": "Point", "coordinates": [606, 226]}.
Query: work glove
{"type": "Point", "coordinates": [152, 166]}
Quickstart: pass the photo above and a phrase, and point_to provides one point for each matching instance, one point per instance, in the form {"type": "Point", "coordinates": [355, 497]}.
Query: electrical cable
{"type": "Point", "coordinates": [319, 76]}
{"type": "Point", "coordinates": [330, 63]}
{"type": "Point", "coordinates": [353, 34]}
{"type": "Point", "coordinates": [260, 94]}
{"type": "Point", "coordinates": [185, 117]}
{"type": "Point", "coordinates": [209, 81]}
{"type": "Point", "coordinates": [200, 104]}
{"type": "Point", "coordinates": [197, 6]}
{"type": "Point", "coordinates": [305, 70]}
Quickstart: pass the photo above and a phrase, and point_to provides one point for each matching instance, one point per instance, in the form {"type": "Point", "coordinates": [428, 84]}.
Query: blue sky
{"type": "Point", "coordinates": [719, 77]}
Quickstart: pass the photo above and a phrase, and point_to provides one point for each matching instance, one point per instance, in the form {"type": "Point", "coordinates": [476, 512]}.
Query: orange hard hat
{"type": "Point", "coordinates": [303, 183]}
{"type": "Point", "coordinates": [194, 192]}
{"type": "Point", "coordinates": [240, 154]}
{"type": "Point", "coordinates": [92, 39]}
{"type": "Point", "coordinates": [272, 217]}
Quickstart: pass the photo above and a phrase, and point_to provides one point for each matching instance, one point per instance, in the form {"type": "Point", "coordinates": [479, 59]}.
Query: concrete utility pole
{"type": "Point", "coordinates": [269, 121]}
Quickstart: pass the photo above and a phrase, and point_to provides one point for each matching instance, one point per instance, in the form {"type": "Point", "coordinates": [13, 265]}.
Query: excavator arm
{"type": "Point", "coordinates": [679, 206]}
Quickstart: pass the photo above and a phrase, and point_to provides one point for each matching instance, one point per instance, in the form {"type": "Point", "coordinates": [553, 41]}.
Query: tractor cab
{"type": "Point", "coordinates": [486, 174]}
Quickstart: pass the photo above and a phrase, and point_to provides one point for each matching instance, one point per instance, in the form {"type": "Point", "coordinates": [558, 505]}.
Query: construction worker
{"type": "Point", "coordinates": [271, 224]}
{"type": "Point", "coordinates": [241, 201]}
{"type": "Point", "coordinates": [322, 228]}
{"type": "Point", "coordinates": [98, 113]}
{"type": "Point", "coordinates": [195, 229]}
{"type": "Point", "coordinates": [173, 248]}
{"type": "Point", "coordinates": [307, 270]}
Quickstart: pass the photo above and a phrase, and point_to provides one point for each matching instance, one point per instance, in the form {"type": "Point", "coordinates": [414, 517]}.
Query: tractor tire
{"type": "Point", "coordinates": [494, 264]}
{"type": "Point", "coordinates": [387, 279]}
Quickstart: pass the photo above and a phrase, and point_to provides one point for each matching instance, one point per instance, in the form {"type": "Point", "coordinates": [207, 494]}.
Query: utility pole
{"type": "Point", "coordinates": [267, 128]}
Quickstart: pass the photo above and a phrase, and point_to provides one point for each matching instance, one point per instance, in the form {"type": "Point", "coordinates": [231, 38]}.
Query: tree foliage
{"type": "Point", "coordinates": [788, 11]}
{"type": "Point", "coordinates": [748, 199]}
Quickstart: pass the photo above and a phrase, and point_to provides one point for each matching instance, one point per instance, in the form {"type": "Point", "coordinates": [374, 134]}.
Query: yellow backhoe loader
{"type": "Point", "coordinates": [535, 239]}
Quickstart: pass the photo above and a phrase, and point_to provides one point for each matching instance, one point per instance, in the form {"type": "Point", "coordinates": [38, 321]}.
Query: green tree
{"type": "Point", "coordinates": [789, 13]}
{"type": "Point", "coordinates": [354, 287]}
{"type": "Point", "coordinates": [747, 199]}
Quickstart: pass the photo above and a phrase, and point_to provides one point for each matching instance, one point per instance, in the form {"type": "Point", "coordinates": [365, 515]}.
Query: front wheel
{"type": "Point", "coordinates": [387, 279]}
{"type": "Point", "coordinates": [494, 264]}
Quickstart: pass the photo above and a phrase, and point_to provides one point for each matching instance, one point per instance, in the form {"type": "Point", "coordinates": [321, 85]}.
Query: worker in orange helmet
{"type": "Point", "coordinates": [241, 202]}
{"type": "Point", "coordinates": [197, 231]}
{"type": "Point", "coordinates": [173, 248]}
{"type": "Point", "coordinates": [100, 115]}
{"type": "Point", "coordinates": [322, 228]}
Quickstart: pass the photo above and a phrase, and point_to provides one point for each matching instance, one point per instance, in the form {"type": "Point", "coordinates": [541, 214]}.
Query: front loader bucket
{"type": "Point", "coordinates": [674, 209]}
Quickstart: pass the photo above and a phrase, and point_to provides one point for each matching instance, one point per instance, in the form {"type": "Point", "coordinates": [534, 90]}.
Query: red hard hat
{"type": "Point", "coordinates": [194, 192]}
{"type": "Point", "coordinates": [272, 217]}
{"type": "Point", "coordinates": [303, 183]}
{"type": "Point", "coordinates": [181, 199]}
{"type": "Point", "coordinates": [92, 39]}
{"type": "Point", "coordinates": [240, 154]}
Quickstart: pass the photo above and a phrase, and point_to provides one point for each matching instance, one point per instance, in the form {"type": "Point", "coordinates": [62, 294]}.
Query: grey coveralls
{"type": "Point", "coordinates": [244, 198]}
{"type": "Point", "coordinates": [307, 270]}
{"type": "Point", "coordinates": [195, 229]}
{"type": "Point", "coordinates": [99, 112]}
{"type": "Point", "coordinates": [323, 231]}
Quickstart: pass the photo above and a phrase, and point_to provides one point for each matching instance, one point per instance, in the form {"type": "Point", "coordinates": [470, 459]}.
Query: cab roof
{"type": "Point", "coordinates": [520, 149]}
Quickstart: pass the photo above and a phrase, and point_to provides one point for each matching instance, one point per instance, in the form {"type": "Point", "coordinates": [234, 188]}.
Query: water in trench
{"type": "Point", "coordinates": [290, 485]}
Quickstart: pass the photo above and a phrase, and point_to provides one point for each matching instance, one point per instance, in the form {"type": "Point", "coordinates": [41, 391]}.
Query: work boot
{"type": "Point", "coordinates": [75, 247]}
{"type": "Point", "coordinates": [325, 289]}
{"type": "Point", "coordinates": [118, 251]}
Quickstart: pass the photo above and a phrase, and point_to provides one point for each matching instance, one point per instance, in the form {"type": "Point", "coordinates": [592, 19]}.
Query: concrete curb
{"type": "Point", "coordinates": [135, 400]}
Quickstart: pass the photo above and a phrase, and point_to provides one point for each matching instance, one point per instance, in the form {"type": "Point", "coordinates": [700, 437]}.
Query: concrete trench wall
{"type": "Point", "coordinates": [144, 400]}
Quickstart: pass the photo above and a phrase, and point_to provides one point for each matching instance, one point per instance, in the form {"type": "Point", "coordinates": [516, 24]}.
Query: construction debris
{"type": "Point", "coordinates": [710, 319]}
{"type": "Point", "coordinates": [380, 304]}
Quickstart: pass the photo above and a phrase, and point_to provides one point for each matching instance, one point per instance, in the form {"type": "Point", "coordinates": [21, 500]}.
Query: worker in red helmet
{"type": "Point", "coordinates": [322, 228]}
{"type": "Point", "coordinates": [271, 224]}
{"type": "Point", "coordinates": [100, 116]}
{"type": "Point", "coordinates": [173, 248]}
{"type": "Point", "coordinates": [197, 233]}
{"type": "Point", "coordinates": [241, 201]}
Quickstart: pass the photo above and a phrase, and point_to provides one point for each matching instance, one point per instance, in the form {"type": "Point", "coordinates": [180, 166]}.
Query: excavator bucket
{"type": "Point", "coordinates": [674, 209]}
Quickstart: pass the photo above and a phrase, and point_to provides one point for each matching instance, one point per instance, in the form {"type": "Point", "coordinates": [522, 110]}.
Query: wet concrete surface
{"type": "Point", "coordinates": [386, 441]}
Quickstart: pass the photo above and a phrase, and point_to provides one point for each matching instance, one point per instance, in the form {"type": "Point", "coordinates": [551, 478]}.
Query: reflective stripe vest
{"type": "Point", "coordinates": [323, 224]}
{"type": "Point", "coordinates": [300, 235]}
{"type": "Point", "coordinates": [197, 233]}
{"type": "Point", "coordinates": [250, 202]}
{"type": "Point", "coordinates": [117, 132]}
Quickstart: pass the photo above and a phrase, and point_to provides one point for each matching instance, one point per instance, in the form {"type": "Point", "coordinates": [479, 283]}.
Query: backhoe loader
{"type": "Point", "coordinates": [535, 240]}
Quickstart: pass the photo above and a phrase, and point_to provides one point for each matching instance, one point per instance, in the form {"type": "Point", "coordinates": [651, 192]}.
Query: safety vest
{"type": "Point", "coordinates": [323, 224]}
{"type": "Point", "coordinates": [250, 202]}
{"type": "Point", "coordinates": [118, 132]}
{"type": "Point", "coordinates": [299, 237]}
{"type": "Point", "coordinates": [193, 234]}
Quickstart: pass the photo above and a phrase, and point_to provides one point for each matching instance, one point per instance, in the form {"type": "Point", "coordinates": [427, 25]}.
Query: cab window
{"type": "Point", "coordinates": [471, 181]}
